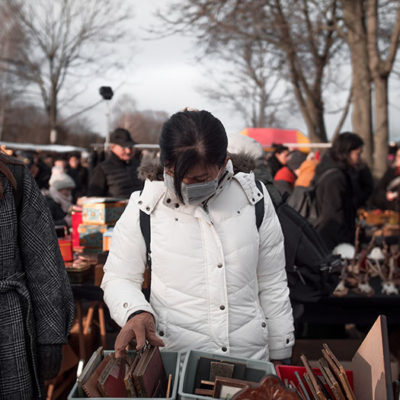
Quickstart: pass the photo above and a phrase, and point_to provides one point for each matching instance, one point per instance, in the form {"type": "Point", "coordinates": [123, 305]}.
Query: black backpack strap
{"type": "Point", "coordinates": [259, 206]}
{"type": "Point", "coordinates": [145, 228]}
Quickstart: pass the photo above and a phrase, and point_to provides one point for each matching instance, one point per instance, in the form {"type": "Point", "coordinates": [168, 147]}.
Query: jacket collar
{"type": "Point", "coordinates": [155, 191]}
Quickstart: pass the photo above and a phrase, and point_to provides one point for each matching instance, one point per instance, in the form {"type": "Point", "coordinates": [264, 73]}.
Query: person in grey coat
{"type": "Point", "coordinates": [36, 303]}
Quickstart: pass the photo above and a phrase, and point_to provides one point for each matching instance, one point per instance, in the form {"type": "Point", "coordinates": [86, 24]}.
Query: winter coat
{"type": "Point", "coordinates": [335, 203]}
{"type": "Point", "coordinates": [284, 181]}
{"type": "Point", "coordinates": [36, 303]}
{"type": "Point", "coordinates": [114, 178]}
{"type": "Point", "coordinates": [390, 181]}
{"type": "Point", "coordinates": [217, 284]}
{"type": "Point", "coordinates": [274, 165]}
{"type": "Point", "coordinates": [80, 175]}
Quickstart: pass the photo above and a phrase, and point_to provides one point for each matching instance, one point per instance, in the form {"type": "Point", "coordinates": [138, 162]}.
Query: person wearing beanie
{"type": "Point", "coordinates": [59, 197]}
{"type": "Point", "coordinates": [285, 178]}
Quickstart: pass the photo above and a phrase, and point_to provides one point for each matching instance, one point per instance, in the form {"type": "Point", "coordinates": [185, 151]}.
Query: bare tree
{"type": "Point", "coordinates": [66, 38]}
{"type": "Point", "coordinates": [296, 34]}
{"type": "Point", "coordinates": [11, 43]}
{"type": "Point", "coordinates": [144, 126]}
{"type": "Point", "coordinates": [373, 49]}
{"type": "Point", "coordinates": [381, 61]}
{"type": "Point", "coordinates": [248, 82]}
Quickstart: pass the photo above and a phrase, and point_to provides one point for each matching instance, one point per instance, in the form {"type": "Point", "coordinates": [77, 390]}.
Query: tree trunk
{"type": "Point", "coordinates": [315, 121]}
{"type": "Point", "coordinates": [381, 134]}
{"type": "Point", "coordinates": [356, 37]}
{"type": "Point", "coordinates": [53, 115]}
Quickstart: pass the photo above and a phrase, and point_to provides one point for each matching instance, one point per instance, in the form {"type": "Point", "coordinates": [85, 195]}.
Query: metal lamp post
{"type": "Point", "coordinates": [107, 93]}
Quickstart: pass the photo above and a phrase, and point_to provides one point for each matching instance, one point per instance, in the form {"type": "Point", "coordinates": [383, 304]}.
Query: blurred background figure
{"type": "Point", "coordinates": [59, 197]}
{"type": "Point", "coordinates": [334, 190]}
{"type": "Point", "coordinates": [79, 174]}
{"type": "Point", "coordinates": [386, 195]}
{"type": "Point", "coordinates": [117, 176]}
{"type": "Point", "coordinates": [286, 177]}
{"type": "Point", "coordinates": [278, 159]}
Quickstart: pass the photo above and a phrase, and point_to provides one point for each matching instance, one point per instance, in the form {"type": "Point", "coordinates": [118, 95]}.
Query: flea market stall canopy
{"type": "Point", "coordinates": [268, 137]}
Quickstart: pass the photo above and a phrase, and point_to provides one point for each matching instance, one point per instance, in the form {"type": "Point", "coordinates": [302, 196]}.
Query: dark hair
{"type": "Point", "coordinates": [190, 138]}
{"type": "Point", "coordinates": [343, 145]}
{"type": "Point", "coordinates": [280, 148]}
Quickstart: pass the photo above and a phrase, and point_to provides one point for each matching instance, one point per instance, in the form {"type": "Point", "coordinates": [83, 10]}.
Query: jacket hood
{"type": "Point", "coordinates": [151, 168]}
{"type": "Point", "coordinates": [328, 163]}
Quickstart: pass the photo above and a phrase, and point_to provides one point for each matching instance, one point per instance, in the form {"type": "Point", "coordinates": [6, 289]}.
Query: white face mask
{"type": "Point", "coordinates": [193, 193]}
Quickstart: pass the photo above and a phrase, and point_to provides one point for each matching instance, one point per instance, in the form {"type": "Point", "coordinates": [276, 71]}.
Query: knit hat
{"type": "Point", "coordinates": [296, 158]}
{"type": "Point", "coordinates": [60, 180]}
{"type": "Point", "coordinates": [243, 144]}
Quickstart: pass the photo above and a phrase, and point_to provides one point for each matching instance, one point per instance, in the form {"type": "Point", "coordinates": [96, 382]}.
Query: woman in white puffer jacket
{"type": "Point", "coordinates": [218, 284]}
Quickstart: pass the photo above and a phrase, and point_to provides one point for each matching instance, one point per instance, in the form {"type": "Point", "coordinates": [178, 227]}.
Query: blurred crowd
{"type": "Point", "coordinates": [342, 182]}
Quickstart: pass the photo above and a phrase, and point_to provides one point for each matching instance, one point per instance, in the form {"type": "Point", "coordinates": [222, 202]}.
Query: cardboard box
{"type": "Point", "coordinates": [107, 236]}
{"type": "Point", "coordinates": [102, 211]}
{"type": "Point", "coordinates": [369, 360]}
{"type": "Point", "coordinates": [91, 237]}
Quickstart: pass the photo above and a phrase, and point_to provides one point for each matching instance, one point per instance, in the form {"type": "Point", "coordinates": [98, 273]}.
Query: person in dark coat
{"type": "Point", "coordinates": [116, 176]}
{"type": "Point", "coordinates": [335, 192]}
{"type": "Point", "coordinates": [278, 159]}
{"type": "Point", "coordinates": [36, 303]}
{"type": "Point", "coordinates": [79, 174]}
{"type": "Point", "coordinates": [386, 195]}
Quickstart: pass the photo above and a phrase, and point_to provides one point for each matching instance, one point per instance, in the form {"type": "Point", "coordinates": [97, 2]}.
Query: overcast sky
{"type": "Point", "coordinates": [163, 75]}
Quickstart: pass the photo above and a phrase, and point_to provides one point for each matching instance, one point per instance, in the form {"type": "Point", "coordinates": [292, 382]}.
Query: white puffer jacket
{"type": "Point", "coordinates": [217, 283]}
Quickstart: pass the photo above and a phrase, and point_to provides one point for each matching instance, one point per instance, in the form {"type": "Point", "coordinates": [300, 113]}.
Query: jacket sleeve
{"type": "Point", "coordinates": [97, 182]}
{"type": "Point", "coordinates": [272, 284]}
{"type": "Point", "coordinates": [46, 277]}
{"type": "Point", "coordinates": [125, 266]}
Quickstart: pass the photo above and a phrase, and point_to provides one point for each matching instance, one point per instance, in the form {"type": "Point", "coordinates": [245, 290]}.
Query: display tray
{"type": "Point", "coordinates": [256, 370]}
{"type": "Point", "coordinates": [171, 364]}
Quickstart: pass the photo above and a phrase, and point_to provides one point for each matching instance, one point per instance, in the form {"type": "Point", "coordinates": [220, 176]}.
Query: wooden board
{"type": "Point", "coordinates": [371, 365]}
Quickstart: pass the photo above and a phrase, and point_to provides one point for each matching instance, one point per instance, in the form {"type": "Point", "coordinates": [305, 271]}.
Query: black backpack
{"type": "Point", "coordinates": [311, 270]}
{"type": "Point", "coordinates": [303, 199]}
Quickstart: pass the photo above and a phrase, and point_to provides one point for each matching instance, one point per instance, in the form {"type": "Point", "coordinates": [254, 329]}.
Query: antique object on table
{"type": "Point", "coordinates": [102, 211]}
{"type": "Point", "coordinates": [270, 388]}
{"type": "Point", "coordinates": [312, 381]}
{"type": "Point", "coordinates": [226, 388]}
{"type": "Point", "coordinates": [330, 379]}
{"type": "Point", "coordinates": [339, 371]}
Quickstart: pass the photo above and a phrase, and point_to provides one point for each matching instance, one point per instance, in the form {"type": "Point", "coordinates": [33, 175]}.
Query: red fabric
{"type": "Point", "coordinates": [284, 174]}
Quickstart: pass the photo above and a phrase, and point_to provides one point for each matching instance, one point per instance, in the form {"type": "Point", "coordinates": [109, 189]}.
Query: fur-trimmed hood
{"type": "Point", "coordinates": [150, 168]}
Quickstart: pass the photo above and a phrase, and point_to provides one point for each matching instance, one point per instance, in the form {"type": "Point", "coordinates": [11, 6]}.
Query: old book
{"type": "Point", "coordinates": [111, 380]}
{"type": "Point", "coordinates": [128, 380]}
{"type": "Point", "coordinates": [90, 386]}
{"type": "Point", "coordinates": [149, 375]}
{"type": "Point", "coordinates": [89, 369]}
